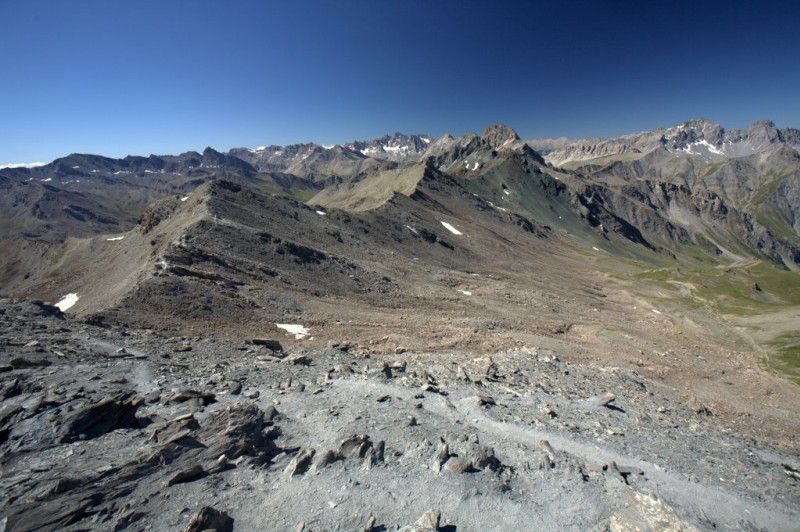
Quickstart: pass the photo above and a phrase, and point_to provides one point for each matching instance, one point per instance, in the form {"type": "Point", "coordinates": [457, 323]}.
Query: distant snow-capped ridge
{"type": "Point", "coordinates": [698, 138]}
{"type": "Point", "coordinates": [393, 147]}
{"type": "Point", "coordinates": [21, 165]}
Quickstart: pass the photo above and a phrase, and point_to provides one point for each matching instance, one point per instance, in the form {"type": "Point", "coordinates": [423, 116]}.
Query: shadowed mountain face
{"type": "Point", "coordinates": [230, 257]}
{"type": "Point", "coordinates": [698, 188]}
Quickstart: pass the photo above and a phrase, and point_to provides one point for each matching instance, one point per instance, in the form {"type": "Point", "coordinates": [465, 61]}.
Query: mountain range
{"type": "Point", "coordinates": [694, 190]}
{"type": "Point", "coordinates": [353, 336]}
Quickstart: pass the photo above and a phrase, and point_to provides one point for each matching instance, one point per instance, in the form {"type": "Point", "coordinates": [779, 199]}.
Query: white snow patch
{"type": "Point", "coordinates": [506, 192]}
{"type": "Point", "coordinates": [154, 172]}
{"type": "Point", "coordinates": [711, 148]}
{"type": "Point", "coordinates": [412, 229]}
{"type": "Point", "coordinates": [76, 167]}
{"type": "Point", "coordinates": [122, 172]}
{"type": "Point", "coordinates": [332, 146]}
{"type": "Point", "coordinates": [656, 311]}
{"type": "Point", "coordinates": [426, 141]}
{"type": "Point", "coordinates": [115, 238]}
{"type": "Point", "coordinates": [299, 331]}
{"type": "Point", "coordinates": [184, 198]}
{"type": "Point", "coordinates": [451, 229]}
{"type": "Point", "coordinates": [21, 165]}
{"type": "Point", "coordinates": [67, 301]}
{"type": "Point", "coordinates": [322, 213]}
{"type": "Point", "coordinates": [465, 292]}
{"type": "Point", "coordinates": [47, 180]}
{"type": "Point", "coordinates": [477, 165]}
{"type": "Point", "coordinates": [395, 148]}
{"type": "Point", "coordinates": [595, 248]}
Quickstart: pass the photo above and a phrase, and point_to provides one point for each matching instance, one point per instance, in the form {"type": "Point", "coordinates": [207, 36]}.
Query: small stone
{"type": "Point", "coordinates": [427, 523]}
{"type": "Point", "coordinates": [324, 459]}
{"type": "Point", "coordinates": [301, 462]}
{"type": "Point", "coordinates": [220, 465]}
{"type": "Point", "coordinates": [441, 457]}
{"type": "Point", "coordinates": [209, 518]}
{"type": "Point", "coordinates": [613, 471]}
{"type": "Point", "coordinates": [185, 395]}
{"type": "Point", "coordinates": [298, 360]}
{"type": "Point", "coordinates": [457, 466]}
{"type": "Point", "coordinates": [603, 400]}
{"type": "Point", "coordinates": [412, 421]}
{"type": "Point", "coordinates": [187, 475]}
{"type": "Point", "coordinates": [252, 394]}
{"type": "Point", "coordinates": [791, 472]}
{"type": "Point", "coordinates": [273, 345]}
{"type": "Point", "coordinates": [399, 365]}
{"type": "Point", "coordinates": [483, 400]}
{"type": "Point", "coordinates": [549, 411]}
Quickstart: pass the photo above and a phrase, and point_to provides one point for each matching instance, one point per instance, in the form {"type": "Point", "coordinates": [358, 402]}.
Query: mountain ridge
{"type": "Point", "coordinates": [698, 137]}
{"type": "Point", "coordinates": [750, 177]}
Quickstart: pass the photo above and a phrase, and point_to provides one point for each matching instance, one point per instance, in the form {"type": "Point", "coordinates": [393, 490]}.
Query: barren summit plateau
{"type": "Point", "coordinates": [406, 333]}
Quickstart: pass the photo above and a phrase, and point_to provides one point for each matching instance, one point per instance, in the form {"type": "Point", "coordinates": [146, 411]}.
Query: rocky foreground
{"type": "Point", "coordinates": [106, 428]}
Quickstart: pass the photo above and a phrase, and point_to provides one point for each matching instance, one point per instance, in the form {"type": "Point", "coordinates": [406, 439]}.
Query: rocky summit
{"type": "Point", "coordinates": [407, 333]}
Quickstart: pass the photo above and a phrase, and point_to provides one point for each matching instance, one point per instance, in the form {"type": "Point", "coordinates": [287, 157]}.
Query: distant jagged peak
{"type": "Point", "coordinates": [396, 147]}
{"type": "Point", "coordinates": [499, 135]}
{"type": "Point", "coordinates": [766, 132]}
{"type": "Point", "coordinates": [697, 124]}
{"type": "Point", "coordinates": [763, 124]}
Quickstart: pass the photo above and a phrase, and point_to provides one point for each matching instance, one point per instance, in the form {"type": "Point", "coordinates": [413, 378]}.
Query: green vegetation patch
{"type": "Point", "coordinates": [784, 357]}
{"type": "Point", "coordinates": [740, 290]}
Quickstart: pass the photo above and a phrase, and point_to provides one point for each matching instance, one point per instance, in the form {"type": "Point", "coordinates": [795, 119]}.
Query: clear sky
{"type": "Point", "coordinates": [118, 77]}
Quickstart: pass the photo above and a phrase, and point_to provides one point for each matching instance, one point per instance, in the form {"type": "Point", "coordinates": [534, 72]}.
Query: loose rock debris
{"type": "Point", "coordinates": [166, 444]}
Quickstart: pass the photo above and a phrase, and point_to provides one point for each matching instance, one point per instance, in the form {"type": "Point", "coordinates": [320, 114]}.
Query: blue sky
{"type": "Point", "coordinates": [167, 76]}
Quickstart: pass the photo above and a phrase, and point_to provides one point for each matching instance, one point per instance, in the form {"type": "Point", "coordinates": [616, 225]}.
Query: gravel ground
{"type": "Point", "coordinates": [108, 428]}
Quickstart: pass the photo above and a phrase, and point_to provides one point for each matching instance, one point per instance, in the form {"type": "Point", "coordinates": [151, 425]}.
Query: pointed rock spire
{"type": "Point", "coordinates": [499, 135]}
